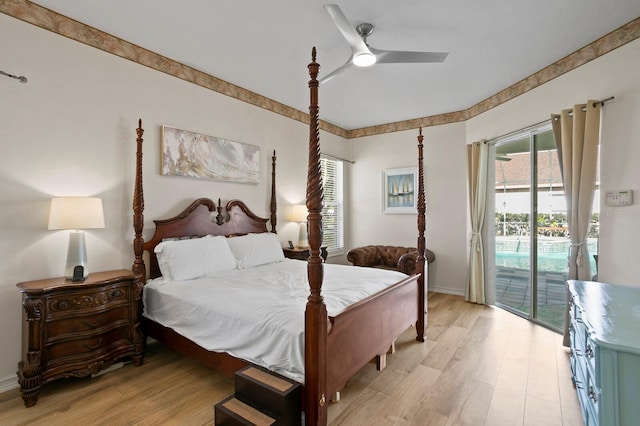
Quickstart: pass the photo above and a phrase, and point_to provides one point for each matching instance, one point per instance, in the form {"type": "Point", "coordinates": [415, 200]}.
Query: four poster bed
{"type": "Point", "coordinates": [336, 336]}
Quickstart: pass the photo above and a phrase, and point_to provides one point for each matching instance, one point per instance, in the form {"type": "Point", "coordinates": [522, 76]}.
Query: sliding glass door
{"type": "Point", "coordinates": [531, 234]}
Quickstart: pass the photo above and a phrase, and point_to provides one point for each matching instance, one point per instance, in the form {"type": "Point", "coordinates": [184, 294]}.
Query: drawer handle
{"type": "Point", "coordinates": [97, 345]}
{"type": "Point", "coordinates": [589, 351]}
{"type": "Point", "coordinates": [592, 394]}
{"type": "Point", "coordinates": [578, 384]}
{"type": "Point", "coordinates": [117, 293]}
{"type": "Point", "coordinates": [93, 324]}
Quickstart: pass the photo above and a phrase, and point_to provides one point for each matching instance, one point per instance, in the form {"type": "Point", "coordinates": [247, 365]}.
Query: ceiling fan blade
{"type": "Point", "coordinates": [347, 30]}
{"type": "Point", "coordinates": [337, 71]}
{"type": "Point", "coordinates": [407, 57]}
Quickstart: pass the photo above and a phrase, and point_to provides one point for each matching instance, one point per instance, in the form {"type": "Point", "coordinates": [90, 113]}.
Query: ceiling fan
{"type": "Point", "coordinates": [363, 55]}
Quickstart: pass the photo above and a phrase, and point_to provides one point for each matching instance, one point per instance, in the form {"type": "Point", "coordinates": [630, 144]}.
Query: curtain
{"type": "Point", "coordinates": [477, 184]}
{"type": "Point", "coordinates": [577, 135]}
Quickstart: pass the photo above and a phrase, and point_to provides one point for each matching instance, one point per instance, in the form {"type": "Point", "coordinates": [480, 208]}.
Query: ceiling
{"type": "Point", "coordinates": [265, 46]}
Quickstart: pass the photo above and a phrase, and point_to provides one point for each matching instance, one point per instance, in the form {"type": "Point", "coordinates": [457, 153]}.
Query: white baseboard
{"type": "Point", "coordinates": [447, 290]}
{"type": "Point", "coordinates": [8, 384]}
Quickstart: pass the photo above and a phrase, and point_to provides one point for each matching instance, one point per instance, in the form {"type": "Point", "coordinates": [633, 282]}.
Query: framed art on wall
{"type": "Point", "coordinates": [186, 153]}
{"type": "Point", "coordinates": [398, 186]}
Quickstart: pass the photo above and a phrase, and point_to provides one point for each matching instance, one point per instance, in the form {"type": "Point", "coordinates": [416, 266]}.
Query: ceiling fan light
{"type": "Point", "coordinates": [364, 60]}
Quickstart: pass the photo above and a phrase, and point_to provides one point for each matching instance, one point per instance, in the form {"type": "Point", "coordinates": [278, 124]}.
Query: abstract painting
{"type": "Point", "coordinates": [186, 153]}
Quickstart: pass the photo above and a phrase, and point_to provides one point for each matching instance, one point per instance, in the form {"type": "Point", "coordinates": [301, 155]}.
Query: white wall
{"type": "Point", "coordinates": [71, 131]}
{"type": "Point", "coordinates": [615, 74]}
{"type": "Point", "coordinates": [445, 183]}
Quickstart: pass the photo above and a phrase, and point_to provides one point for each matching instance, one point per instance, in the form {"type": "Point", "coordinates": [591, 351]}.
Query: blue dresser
{"type": "Point", "coordinates": [605, 351]}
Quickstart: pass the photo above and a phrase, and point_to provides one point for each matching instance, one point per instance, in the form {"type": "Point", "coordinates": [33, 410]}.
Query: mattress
{"type": "Point", "coordinates": [257, 314]}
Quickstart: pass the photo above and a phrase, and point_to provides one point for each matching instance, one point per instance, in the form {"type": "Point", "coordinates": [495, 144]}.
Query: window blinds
{"type": "Point", "coordinates": [332, 212]}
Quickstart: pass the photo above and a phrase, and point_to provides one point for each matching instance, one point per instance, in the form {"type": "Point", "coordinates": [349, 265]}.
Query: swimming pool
{"type": "Point", "coordinates": [552, 254]}
{"type": "Point", "coordinates": [555, 262]}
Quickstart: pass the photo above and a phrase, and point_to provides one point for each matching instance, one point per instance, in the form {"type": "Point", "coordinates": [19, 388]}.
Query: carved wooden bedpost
{"type": "Point", "coordinates": [420, 262]}
{"type": "Point", "coordinates": [138, 267]}
{"type": "Point", "coordinates": [316, 399]}
{"type": "Point", "coordinates": [274, 217]}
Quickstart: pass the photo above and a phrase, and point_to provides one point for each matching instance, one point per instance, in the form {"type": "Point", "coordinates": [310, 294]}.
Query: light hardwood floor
{"type": "Point", "coordinates": [479, 366]}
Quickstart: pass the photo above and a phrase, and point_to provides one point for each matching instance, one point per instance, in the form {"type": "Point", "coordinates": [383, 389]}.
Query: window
{"type": "Point", "coordinates": [530, 226]}
{"type": "Point", "coordinates": [332, 213]}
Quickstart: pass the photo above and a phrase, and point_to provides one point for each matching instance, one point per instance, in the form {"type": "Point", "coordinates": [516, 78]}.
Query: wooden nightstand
{"type": "Point", "coordinates": [77, 328]}
{"type": "Point", "coordinates": [302, 253]}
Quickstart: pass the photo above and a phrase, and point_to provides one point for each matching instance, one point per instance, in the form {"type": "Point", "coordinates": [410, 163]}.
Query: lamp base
{"type": "Point", "coordinates": [303, 240]}
{"type": "Point", "coordinates": [76, 269]}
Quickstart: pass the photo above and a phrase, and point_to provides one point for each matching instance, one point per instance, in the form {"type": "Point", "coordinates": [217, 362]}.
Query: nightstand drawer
{"type": "Point", "coordinates": [72, 304]}
{"type": "Point", "coordinates": [65, 328]}
{"type": "Point", "coordinates": [86, 347]}
{"type": "Point", "coordinates": [74, 329]}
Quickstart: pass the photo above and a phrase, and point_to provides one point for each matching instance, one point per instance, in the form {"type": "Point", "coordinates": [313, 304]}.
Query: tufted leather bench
{"type": "Point", "coordinates": [401, 259]}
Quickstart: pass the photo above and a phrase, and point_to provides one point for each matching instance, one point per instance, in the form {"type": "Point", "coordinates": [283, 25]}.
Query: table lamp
{"type": "Point", "coordinates": [298, 213]}
{"type": "Point", "coordinates": [76, 213]}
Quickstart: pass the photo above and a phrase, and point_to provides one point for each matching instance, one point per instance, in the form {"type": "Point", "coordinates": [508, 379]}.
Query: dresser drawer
{"type": "Point", "coordinates": [591, 394]}
{"type": "Point", "coordinates": [605, 357]}
{"type": "Point", "coordinates": [588, 392]}
{"type": "Point", "coordinates": [74, 303]}
{"type": "Point", "coordinates": [72, 327]}
{"type": "Point", "coordinates": [578, 328]}
{"type": "Point", "coordinates": [591, 354]}
{"type": "Point", "coordinates": [89, 347]}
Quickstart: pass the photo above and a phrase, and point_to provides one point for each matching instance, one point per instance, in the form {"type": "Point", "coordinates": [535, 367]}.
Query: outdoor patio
{"type": "Point", "coordinates": [513, 290]}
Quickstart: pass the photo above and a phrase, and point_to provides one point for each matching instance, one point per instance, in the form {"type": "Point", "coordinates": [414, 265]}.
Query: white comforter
{"type": "Point", "coordinates": [257, 314]}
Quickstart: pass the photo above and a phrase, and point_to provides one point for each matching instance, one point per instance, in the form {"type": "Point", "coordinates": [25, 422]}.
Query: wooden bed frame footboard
{"type": "Point", "coordinates": [335, 347]}
{"type": "Point", "coordinates": [367, 329]}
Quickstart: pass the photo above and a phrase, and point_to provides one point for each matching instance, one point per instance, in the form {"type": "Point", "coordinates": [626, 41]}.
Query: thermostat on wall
{"type": "Point", "coordinates": [622, 197]}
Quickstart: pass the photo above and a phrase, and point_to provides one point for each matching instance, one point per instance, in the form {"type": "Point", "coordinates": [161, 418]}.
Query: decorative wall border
{"type": "Point", "coordinates": [60, 24]}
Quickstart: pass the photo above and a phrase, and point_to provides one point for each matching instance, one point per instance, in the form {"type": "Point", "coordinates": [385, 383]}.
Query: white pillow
{"type": "Point", "coordinates": [194, 258]}
{"type": "Point", "coordinates": [256, 249]}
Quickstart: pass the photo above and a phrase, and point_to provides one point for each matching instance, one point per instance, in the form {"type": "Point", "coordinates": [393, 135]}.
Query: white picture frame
{"type": "Point", "coordinates": [399, 190]}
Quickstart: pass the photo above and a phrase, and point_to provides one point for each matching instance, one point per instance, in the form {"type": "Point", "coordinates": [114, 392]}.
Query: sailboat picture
{"type": "Point", "coordinates": [399, 190]}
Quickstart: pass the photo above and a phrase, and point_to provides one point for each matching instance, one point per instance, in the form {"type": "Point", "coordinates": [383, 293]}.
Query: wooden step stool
{"type": "Point", "coordinates": [262, 398]}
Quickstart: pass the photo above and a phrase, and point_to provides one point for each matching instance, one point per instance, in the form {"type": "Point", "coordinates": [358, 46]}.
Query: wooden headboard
{"type": "Point", "coordinates": [201, 218]}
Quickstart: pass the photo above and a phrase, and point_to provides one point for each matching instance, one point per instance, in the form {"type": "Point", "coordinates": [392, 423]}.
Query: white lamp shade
{"type": "Point", "coordinates": [298, 213]}
{"type": "Point", "coordinates": [76, 213]}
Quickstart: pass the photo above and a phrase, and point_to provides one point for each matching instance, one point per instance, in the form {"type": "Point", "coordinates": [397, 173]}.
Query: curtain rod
{"type": "Point", "coordinates": [338, 158]}
{"type": "Point", "coordinates": [533, 126]}
{"type": "Point", "coordinates": [594, 105]}
{"type": "Point", "coordinates": [21, 79]}
{"type": "Point", "coordinates": [603, 101]}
